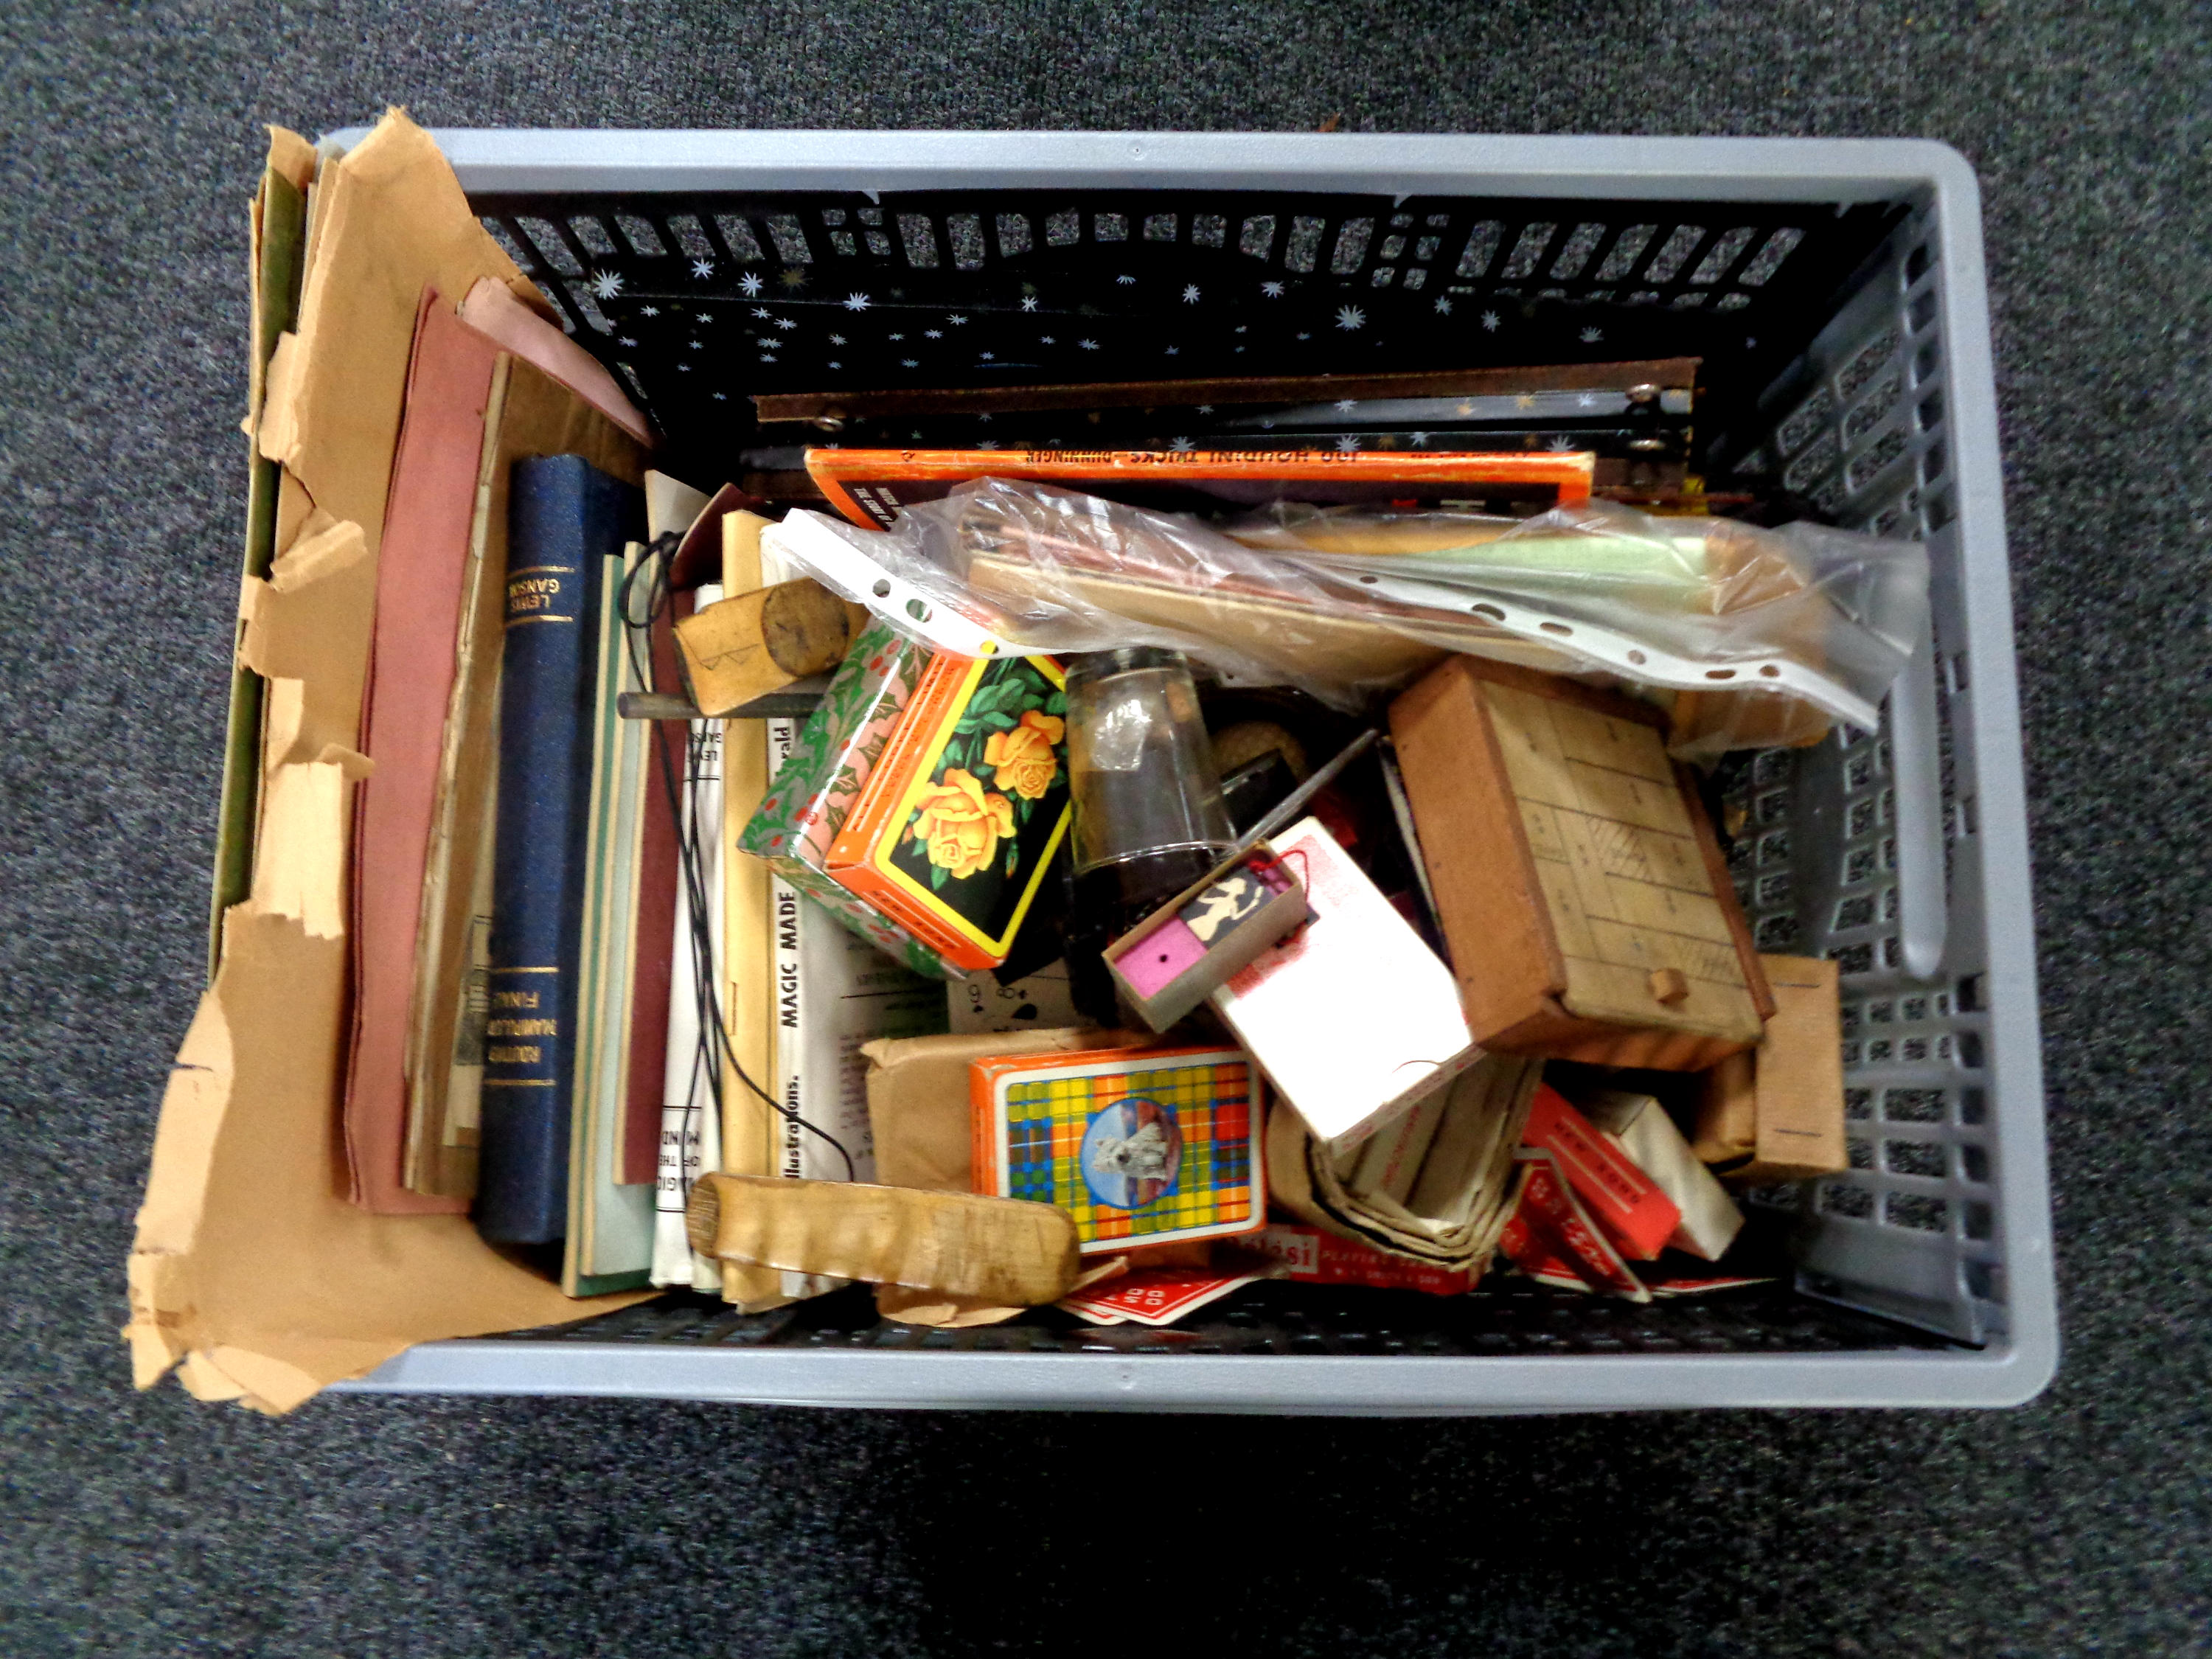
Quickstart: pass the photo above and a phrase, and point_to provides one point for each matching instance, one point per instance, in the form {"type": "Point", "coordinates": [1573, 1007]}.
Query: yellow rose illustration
{"type": "Point", "coordinates": [961, 823]}
{"type": "Point", "coordinates": [1022, 759]}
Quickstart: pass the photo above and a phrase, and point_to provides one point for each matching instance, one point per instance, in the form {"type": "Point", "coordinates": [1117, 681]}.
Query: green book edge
{"type": "Point", "coordinates": [284, 226]}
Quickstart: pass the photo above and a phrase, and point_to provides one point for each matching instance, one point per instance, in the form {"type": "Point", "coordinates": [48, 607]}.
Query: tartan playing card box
{"type": "Point", "coordinates": [1146, 1147]}
{"type": "Point", "coordinates": [952, 833]}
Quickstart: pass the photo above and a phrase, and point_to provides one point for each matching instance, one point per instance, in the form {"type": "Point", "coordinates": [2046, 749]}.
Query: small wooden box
{"type": "Point", "coordinates": [1173, 959]}
{"type": "Point", "coordinates": [1585, 900]}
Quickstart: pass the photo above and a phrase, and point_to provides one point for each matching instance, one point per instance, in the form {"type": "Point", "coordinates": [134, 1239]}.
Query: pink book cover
{"type": "Point", "coordinates": [410, 679]}
{"type": "Point", "coordinates": [1352, 1016]}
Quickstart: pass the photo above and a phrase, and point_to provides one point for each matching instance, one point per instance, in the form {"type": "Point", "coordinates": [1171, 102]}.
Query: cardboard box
{"type": "Point", "coordinates": [1352, 1018]}
{"type": "Point", "coordinates": [1777, 1113]}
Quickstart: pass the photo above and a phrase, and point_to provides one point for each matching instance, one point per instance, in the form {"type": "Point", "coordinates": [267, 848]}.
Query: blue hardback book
{"type": "Point", "coordinates": [564, 518]}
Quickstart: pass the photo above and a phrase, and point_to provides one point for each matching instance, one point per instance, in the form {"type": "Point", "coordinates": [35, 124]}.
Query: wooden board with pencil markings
{"type": "Point", "coordinates": [1580, 890]}
{"type": "Point", "coordinates": [1622, 875]}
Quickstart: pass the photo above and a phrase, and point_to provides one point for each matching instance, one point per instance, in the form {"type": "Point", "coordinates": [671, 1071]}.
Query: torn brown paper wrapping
{"type": "Point", "coordinates": [998, 1251]}
{"type": "Point", "coordinates": [389, 218]}
{"type": "Point", "coordinates": [248, 1255]}
{"type": "Point", "coordinates": [252, 1274]}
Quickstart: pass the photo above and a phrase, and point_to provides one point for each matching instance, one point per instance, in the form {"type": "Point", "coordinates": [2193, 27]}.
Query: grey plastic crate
{"type": "Point", "coordinates": [1902, 854]}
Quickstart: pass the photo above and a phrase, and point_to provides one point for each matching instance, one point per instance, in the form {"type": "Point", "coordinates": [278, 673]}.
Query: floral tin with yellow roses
{"type": "Point", "coordinates": [956, 827]}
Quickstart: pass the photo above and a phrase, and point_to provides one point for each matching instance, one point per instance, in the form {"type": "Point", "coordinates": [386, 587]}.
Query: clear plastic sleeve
{"type": "Point", "coordinates": [1775, 632]}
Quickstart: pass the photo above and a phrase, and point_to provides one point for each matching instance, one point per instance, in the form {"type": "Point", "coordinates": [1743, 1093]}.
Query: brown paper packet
{"type": "Point", "coordinates": [917, 1100]}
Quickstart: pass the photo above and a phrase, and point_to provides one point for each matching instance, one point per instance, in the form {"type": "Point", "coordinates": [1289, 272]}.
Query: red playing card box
{"type": "Point", "coordinates": [1553, 1237]}
{"type": "Point", "coordinates": [1620, 1198]}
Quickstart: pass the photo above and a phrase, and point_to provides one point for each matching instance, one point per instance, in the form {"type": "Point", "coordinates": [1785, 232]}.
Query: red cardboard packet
{"type": "Point", "coordinates": [1620, 1198]}
{"type": "Point", "coordinates": [1552, 1237]}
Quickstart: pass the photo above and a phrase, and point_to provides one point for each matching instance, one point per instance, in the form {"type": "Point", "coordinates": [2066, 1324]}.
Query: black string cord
{"type": "Point", "coordinates": [715, 1047]}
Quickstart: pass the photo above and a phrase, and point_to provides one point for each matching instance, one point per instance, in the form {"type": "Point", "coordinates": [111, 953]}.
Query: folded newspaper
{"type": "Point", "coordinates": [1436, 1185]}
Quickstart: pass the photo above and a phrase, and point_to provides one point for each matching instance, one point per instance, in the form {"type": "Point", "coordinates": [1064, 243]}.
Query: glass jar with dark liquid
{"type": "Point", "coordinates": [1149, 816]}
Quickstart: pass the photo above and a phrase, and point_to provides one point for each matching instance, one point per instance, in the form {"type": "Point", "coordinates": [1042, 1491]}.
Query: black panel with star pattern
{"type": "Point", "coordinates": [700, 302]}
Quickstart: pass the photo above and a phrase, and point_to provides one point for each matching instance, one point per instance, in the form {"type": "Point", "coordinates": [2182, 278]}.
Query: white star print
{"type": "Point", "coordinates": [1592, 336]}
{"type": "Point", "coordinates": [910, 362]}
{"type": "Point", "coordinates": [986, 356]}
{"type": "Point", "coordinates": [1125, 279]}
{"type": "Point", "coordinates": [627, 341]}
{"type": "Point", "coordinates": [1028, 302]}
{"type": "Point", "coordinates": [1190, 294]}
{"type": "Point", "coordinates": [1420, 439]}
{"type": "Point", "coordinates": [987, 443]}
{"type": "Point", "coordinates": [857, 302]}
{"type": "Point", "coordinates": [956, 320]}
{"type": "Point", "coordinates": [1347, 445]}
{"type": "Point", "coordinates": [835, 365]}
{"type": "Point", "coordinates": [1088, 345]}
{"type": "Point", "coordinates": [749, 284]}
{"type": "Point", "coordinates": [1183, 444]}
{"type": "Point", "coordinates": [702, 269]}
{"type": "Point", "coordinates": [762, 312]}
{"type": "Point", "coordinates": [698, 345]}
{"type": "Point", "coordinates": [785, 322]}
{"type": "Point", "coordinates": [1045, 339]}
{"type": "Point", "coordinates": [895, 337]}
{"type": "Point", "coordinates": [722, 396]}
{"type": "Point", "coordinates": [837, 339]}
{"type": "Point", "coordinates": [1586, 401]}
{"type": "Point", "coordinates": [649, 310]}
{"type": "Point", "coordinates": [606, 283]}
{"type": "Point", "coordinates": [1489, 321]}
{"type": "Point", "coordinates": [1206, 408]}
{"type": "Point", "coordinates": [1346, 405]}
{"type": "Point", "coordinates": [1561, 445]}
{"type": "Point", "coordinates": [932, 334]}
{"type": "Point", "coordinates": [1443, 304]}
{"type": "Point", "coordinates": [1273, 290]}
{"type": "Point", "coordinates": [1175, 351]}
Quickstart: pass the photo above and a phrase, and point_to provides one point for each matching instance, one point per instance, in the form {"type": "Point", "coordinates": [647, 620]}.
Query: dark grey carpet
{"type": "Point", "coordinates": [150, 1525]}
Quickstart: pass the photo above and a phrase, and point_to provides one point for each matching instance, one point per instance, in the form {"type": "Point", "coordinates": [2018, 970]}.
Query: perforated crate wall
{"type": "Point", "coordinates": [1859, 426]}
